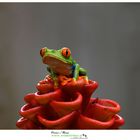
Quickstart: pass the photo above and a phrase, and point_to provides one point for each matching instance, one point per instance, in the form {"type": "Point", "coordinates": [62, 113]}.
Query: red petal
{"type": "Point", "coordinates": [30, 112]}
{"type": "Point", "coordinates": [23, 123]}
{"type": "Point", "coordinates": [47, 97]}
{"type": "Point", "coordinates": [119, 121]}
{"type": "Point", "coordinates": [65, 107]}
{"type": "Point", "coordinates": [103, 109]}
{"type": "Point", "coordinates": [30, 98]}
{"type": "Point", "coordinates": [88, 123]}
{"type": "Point", "coordinates": [60, 123]}
{"type": "Point", "coordinates": [44, 86]}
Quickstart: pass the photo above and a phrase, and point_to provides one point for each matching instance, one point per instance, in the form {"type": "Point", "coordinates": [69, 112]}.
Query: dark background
{"type": "Point", "coordinates": [104, 38]}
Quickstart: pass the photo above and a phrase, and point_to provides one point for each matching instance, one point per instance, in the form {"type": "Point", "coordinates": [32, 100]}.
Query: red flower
{"type": "Point", "coordinates": [69, 106]}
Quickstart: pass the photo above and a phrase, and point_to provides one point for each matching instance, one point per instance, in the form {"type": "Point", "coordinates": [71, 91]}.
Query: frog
{"type": "Point", "coordinates": [60, 62]}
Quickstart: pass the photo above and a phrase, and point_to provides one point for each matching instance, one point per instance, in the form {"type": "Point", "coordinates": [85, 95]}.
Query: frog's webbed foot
{"type": "Point", "coordinates": [74, 80]}
{"type": "Point", "coordinates": [86, 79]}
{"type": "Point", "coordinates": [54, 77]}
{"type": "Point", "coordinates": [56, 83]}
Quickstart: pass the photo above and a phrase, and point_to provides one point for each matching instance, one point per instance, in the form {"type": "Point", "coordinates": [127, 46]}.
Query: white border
{"type": "Point", "coordinates": [110, 1]}
{"type": "Point", "coordinates": [91, 134]}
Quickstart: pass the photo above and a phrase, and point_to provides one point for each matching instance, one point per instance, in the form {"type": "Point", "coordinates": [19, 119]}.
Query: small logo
{"type": "Point", "coordinates": [81, 136]}
{"type": "Point", "coordinates": [84, 135]}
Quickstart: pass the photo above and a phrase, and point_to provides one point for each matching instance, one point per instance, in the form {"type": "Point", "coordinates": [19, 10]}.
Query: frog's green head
{"type": "Point", "coordinates": [55, 57]}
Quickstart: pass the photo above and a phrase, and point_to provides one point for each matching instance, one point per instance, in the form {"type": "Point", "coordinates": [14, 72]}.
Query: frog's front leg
{"type": "Point", "coordinates": [83, 72]}
{"type": "Point", "coordinates": [54, 76]}
{"type": "Point", "coordinates": [76, 68]}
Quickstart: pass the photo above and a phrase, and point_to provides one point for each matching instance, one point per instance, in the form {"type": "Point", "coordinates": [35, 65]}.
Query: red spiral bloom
{"type": "Point", "coordinates": [69, 106]}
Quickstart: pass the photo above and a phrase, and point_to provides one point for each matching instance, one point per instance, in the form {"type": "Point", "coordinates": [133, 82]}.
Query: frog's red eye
{"type": "Point", "coordinates": [42, 51]}
{"type": "Point", "coordinates": [66, 52]}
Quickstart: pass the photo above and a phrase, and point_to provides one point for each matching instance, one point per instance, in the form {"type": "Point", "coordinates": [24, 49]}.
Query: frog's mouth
{"type": "Point", "coordinates": [57, 65]}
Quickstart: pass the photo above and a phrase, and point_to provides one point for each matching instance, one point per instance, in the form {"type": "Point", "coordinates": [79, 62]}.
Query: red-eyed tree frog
{"type": "Point", "coordinates": [60, 62]}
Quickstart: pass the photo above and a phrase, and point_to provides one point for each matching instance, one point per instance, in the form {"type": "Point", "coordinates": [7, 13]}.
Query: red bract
{"type": "Point", "coordinates": [69, 106]}
{"type": "Point", "coordinates": [63, 122]}
{"type": "Point", "coordinates": [100, 114]}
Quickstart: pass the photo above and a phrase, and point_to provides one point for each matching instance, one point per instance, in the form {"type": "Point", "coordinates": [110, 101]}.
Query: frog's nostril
{"type": "Point", "coordinates": [42, 51]}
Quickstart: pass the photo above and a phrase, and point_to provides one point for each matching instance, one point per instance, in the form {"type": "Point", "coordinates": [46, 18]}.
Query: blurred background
{"type": "Point", "coordinates": [104, 38]}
